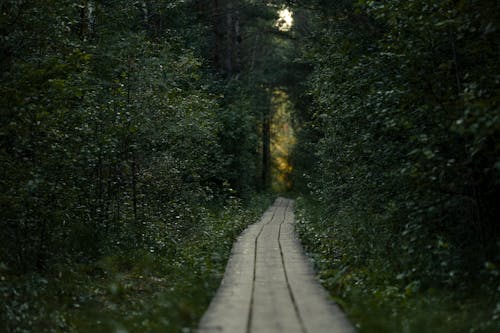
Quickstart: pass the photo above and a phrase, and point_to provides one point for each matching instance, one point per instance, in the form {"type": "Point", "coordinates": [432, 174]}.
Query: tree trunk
{"type": "Point", "coordinates": [226, 27]}
{"type": "Point", "coordinates": [266, 150]}
{"type": "Point", "coordinates": [87, 19]}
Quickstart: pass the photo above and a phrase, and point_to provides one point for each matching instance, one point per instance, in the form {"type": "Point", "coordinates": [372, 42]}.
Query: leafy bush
{"type": "Point", "coordinates": [131, 290]}
{"type": "Point", "coordinates": [367, 270]}
{"type": "Point", "coordinates": [399, 148]}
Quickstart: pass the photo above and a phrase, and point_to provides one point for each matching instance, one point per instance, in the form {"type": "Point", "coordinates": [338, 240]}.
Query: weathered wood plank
{"type": "Point", "coordinates": [269, 285]}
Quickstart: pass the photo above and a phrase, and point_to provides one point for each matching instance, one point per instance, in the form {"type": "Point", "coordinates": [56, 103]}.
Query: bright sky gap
{"type": "Point", "coordinates": [285, 21]}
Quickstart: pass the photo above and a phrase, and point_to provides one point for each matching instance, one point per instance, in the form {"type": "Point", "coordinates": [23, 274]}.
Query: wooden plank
{"type": "Point", "coordinates": [269, 286]}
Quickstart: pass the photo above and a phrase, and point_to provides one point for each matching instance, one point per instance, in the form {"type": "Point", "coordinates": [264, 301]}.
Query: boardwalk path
{"type": "Point", "coordinates": [269, 285]}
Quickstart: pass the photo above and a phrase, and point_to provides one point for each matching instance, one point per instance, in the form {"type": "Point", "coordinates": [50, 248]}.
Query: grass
{"type": "Point", "coordinates": [366, 279]}
{"type": "Point", "coordinates": [129, 291]}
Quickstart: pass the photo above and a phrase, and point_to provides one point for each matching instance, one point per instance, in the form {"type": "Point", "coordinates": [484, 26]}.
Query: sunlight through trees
{"type": "Point", "coordinates": [282, 141]}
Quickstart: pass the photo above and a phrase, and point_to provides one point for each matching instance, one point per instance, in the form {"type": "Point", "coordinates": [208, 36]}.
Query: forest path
{"type": "Point", "coordinates": [269, 285]}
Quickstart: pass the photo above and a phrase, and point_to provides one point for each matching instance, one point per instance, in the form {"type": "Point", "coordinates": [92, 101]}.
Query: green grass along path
{"type": "Point", "coordinates": [269, 285]}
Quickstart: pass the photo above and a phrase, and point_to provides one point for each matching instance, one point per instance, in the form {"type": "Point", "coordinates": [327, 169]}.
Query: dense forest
{"type": "Point", "coordinates": [139, 138]}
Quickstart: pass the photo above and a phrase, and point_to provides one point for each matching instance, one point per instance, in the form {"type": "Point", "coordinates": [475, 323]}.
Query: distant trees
{"type": "Point", "coordinates": [246, 48]}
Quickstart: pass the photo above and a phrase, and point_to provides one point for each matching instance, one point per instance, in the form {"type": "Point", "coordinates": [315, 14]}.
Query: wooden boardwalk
{"type": "Point", "coordinates": [269, 285]}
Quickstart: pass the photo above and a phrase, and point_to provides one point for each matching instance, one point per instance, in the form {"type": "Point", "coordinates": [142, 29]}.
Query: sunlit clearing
{"type": "Point", "coordinates": [285, 20]}
{"type": "Point", "coordinates": [282, 141]}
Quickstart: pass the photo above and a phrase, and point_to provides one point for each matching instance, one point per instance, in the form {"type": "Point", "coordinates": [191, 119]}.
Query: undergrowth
{"type": "Point", "coordinates": [130, 290]}
{"type": "Point", "coordinates": [371, 273]}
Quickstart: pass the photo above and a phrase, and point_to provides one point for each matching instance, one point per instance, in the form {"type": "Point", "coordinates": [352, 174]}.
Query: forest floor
{"type": "Point", "coordinates": [269, 285]}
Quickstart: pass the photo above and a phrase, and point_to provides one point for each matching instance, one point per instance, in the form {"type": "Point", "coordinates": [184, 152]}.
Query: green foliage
{"type": "Point", "coordinates": [240, 141]}
{"type": "Point", "coordinates": [396, 128]}
{"type": "Point", "coordinates": [121, 145]}
{"type": "Point", "coordinates": [109, 132]}
{"type": "Point", "coordinates": [400, 145]}
{"type": "Point", "coordinates": [359, 261]}
{"type": "Point", "coordinates": [130, 290]}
